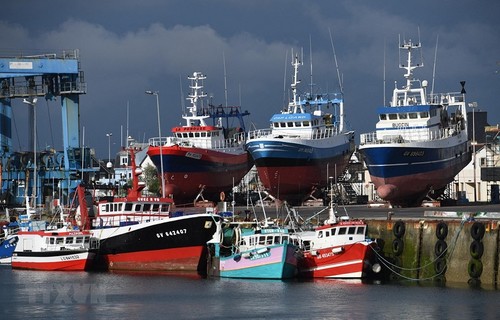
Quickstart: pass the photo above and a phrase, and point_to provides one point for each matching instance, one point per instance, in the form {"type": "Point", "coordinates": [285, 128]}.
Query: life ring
{"type": "Point", "coordinates": [477, 231]}
{"type": "Point", "coordinates": [476, 249]}
{"type": "Point", "coordinates": [399, 229]}
{"type": "Point", "coordinates": [440, 266]}
{"type": "Point", "coordinates": [475, 268]}
{"type": "Point", "coordinates": [440, 247]}
{"type": "Point", "coordinates": [397, 246]}
{"type": "Point", "coordinates": [222, 196]}
{"type": "Point", "coordinates": [441, 230]}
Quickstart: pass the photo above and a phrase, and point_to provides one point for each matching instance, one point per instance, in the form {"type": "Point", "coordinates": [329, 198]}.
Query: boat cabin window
{"type": "Point", "coordinates": [147, 207]}
{"type": "Point", "coordinates": [403, 116]}
{"type": "Point", "coordinates": [360, 230]}
{"type": "Point", "coordinates": [128, 206]}
{"type": "Point", "coordinates": [156, 206]}
{"type": "Point", "coordinates": [165, 208]}
{"type": "Point", "coordinates": [79, 240]}
{"type": "Point", "coordinates": [383, 116]}
{"type": "Point", "coordinates": [197, 134]}
{"type": "Point", "coordinates": [305, 124]}
{"type": "Point", "coordinates": [298, 124]}
{"type": "Point", "coordinates": [393, 116]}
{"type": "Point", "coordinates": [69, 240]}
{"type": "Point", "coordinates": [352, 230]}
{"type": "Point", "coordinates": [262, 240]}
{"type": "Point", "coordinates": [307, 245]}
{"type": "Point", "coordinates": [51, 240]}
{"type": "Point", "coordinates": [59, 240]}
{"type": "Point", "coordinates": [424, 115]}
{"type": "Point", "coordinates": [203, 134]}
{"type": "Point", "coordinates": [327, 233]}
{"type": "Point", "coordinates": [282, 124]}
{"type": "Point", "coordinates": [137, 207]}
{"type": "Point", "coordinates": [191, 135]}
{"type": "Point", "coordinates": [320, 234]}
{"type": "Point", "coordinates": [413, 115]}
{"type": "Point", "coordinates": [86, 239]}
{"type": "Point", "coordinates": [342, 230]}
{"type": "Point", "coordinates": [333, 231]}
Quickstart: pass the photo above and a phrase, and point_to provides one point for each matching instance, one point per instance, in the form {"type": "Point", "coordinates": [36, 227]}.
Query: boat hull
{"type": "Point", "coordinates": [188, 170]}
{"type": "Point", "coordinates": [353, 261]}
{"type": "Point", "coordinates": [173, 244]}
{"type": "Point", "coordinates": [405, 174]}
{"type": "Point", "coordinates": [291, 171]}
{"type": "Point", "coordinates": [7, 247]}
{"type": "Point", "coordinates": [70, 260]}
{"type": "Point", "coordinates": [278, 262]}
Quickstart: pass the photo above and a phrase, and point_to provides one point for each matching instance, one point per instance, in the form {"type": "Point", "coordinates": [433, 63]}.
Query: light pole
{"type": "Point", "coordinates": [473, 105]}
{"type": "Point", "coordinates": [109, 165]}
{"type": "Point", "coordinates": [156, 93]}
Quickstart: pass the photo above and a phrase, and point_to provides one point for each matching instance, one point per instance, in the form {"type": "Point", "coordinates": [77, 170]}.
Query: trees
{"type": "Point", "coordinates": [152, 180]}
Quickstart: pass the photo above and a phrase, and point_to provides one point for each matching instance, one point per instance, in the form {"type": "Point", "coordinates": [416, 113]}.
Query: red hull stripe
{"type": "Point", "coordinates": [177, 259]}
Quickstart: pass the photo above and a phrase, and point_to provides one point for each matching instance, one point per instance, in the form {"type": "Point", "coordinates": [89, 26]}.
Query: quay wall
{"type": "Point", "coordinates": [447, 250]}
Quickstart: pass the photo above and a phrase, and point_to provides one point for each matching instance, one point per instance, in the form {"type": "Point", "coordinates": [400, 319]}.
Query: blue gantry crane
{"type": "Point", "coordinates": [41, 174]}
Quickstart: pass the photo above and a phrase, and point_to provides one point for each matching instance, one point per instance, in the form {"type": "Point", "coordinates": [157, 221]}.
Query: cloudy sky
{"type": "Point", "coordinates": [127, 48]}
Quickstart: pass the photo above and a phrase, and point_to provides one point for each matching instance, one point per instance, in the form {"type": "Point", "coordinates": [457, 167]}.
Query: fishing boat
{"type": "Point", "coordinates": [420, 143]}
{"type": "Point", "coordinates": [337, 249]}
{"type": "Point", "coordinates": [304, 146]}
{"type": "Point", "coordinates": [29, 220]}
{"type": "Point", "coordinates": [254, 253]}
{"type": "Point", "coordinates": [62, 250]}
{"type": "Point", "coordinates": [202, 161]}
{"type": "Point", "coordinates": [144, 233]}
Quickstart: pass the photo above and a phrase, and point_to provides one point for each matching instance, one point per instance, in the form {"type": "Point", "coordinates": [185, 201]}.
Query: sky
{"type": "Point", "coordinates": [244, 49]}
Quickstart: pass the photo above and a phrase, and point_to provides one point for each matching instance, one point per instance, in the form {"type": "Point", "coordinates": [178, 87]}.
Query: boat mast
{"type": "Point", "coordinates": [409, 67]}
{"type": "Point", "coordinates": [341, 84]}
{"type": "Point", "coordinates": [196, 94]}
{"type": "Point", "coordinates": [294, 106]}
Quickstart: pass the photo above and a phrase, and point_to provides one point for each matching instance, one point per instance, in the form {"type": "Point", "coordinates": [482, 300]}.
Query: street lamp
{"type": "Point", "coordinates": [473, 105]}
{"type": "Point", "coordinates": [156, 93]}
{"type": "Point", "coordinates": [109, 165]}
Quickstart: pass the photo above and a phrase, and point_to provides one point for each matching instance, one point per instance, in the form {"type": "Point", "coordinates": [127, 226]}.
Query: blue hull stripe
{"type": "Point", "coordinates": [388, 162]}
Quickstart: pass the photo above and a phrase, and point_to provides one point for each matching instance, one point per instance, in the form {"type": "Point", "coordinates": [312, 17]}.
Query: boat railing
{"type": "Point", "coordinates": [159, 141]}
{"type": "Point", "coordinates": [316, 134]}
{"type": "Point", "coordinates": [120, 219]}
{"type": "Point", "coordinates": [237, 141]}
{"type": "Point", "coordinates": [410, 134]}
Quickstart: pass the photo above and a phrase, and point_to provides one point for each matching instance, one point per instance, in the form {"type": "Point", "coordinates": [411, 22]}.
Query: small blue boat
{"type": "Point", "coordinates": [8, 242]}
{"type": "Point", "coordinates": [255, 253]}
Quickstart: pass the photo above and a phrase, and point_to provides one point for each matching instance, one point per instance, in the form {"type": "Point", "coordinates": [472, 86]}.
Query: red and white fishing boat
{"type": "Point", "coordinates": [140, 233]}
{"type": "Point", "coordinates": [202, 161]}
{"type": "Point", "coordinates": [65, 250]}
{"type": "Point", "coordinates": [337, 249]}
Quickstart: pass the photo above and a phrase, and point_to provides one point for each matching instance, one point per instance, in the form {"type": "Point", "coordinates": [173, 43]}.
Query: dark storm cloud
{"type": "Point", "coordinates": [128, 48]}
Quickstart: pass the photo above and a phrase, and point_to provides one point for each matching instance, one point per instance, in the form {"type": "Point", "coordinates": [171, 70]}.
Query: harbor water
{"type": "Point", "coordinates": [93, 295]}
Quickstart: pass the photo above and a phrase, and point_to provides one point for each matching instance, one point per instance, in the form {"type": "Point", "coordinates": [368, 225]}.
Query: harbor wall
{"type": "Point", "coordinates": [448, 250]}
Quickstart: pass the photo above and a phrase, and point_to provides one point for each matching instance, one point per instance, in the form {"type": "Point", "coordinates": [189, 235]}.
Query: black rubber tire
{"type": "Point", "coordinates": [399, 229]}
{"type": "Point", "coordinates": [397, 246]}
{"type": "Point", "coordinates": [475, 268]}
{"type": "Point", "coordinates": [440, 247]}
{"type": "Point", "coordinates": [440, 266]}
{"type": "Point", "coordinates": [441, 230]}
{"type": "Point", "coordinates": [477, 231]}
{"type": "Point", "coordinates": [476, 249]}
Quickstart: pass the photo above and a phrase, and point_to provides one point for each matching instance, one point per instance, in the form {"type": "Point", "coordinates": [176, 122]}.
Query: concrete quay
{"type": "Point", "coordinates": [457, 244]}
